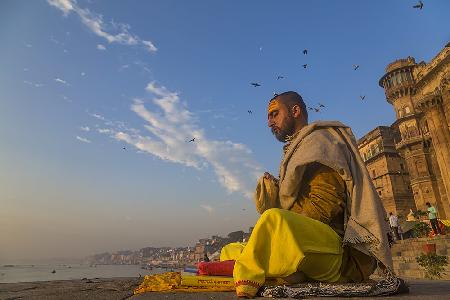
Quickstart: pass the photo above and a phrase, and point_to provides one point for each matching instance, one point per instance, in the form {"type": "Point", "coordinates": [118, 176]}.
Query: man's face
{"type": "Point", "coordinates": [280, 120]}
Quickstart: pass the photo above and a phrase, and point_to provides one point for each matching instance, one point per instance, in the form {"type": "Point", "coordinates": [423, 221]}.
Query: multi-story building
{"type": "Point", "coordinates": [387, 170]}
{"type": "Point", "coordinates": [420, 95]}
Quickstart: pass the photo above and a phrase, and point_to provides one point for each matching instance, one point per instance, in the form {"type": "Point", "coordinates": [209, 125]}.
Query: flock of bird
{"type": "Point", "coordinates": [317, 109]}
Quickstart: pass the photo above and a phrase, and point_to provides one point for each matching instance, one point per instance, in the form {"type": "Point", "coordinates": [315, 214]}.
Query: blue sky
{"type": "Point", "coordinates": [81, 81]}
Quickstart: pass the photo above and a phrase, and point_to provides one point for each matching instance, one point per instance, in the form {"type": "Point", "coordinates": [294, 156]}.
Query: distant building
{"type": "Point", "coordinates": [388, 170]}
{"type": "Point", "coordinates": [148, 252]}
{"type": "Point", "coordinates": [236, 236]}
{"type": "Point", "coordinates": [199, 251]}
{"type": "Point", "coordinates": [420, 95]}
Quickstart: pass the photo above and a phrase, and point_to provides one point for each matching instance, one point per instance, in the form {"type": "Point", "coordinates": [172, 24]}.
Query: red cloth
{"type": "Point", "coordinates": [219, 268]}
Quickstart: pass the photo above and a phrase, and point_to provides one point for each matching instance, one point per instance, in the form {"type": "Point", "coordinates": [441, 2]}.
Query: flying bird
{"type": "Point", "coordinates": [316, 109]}
{"type": "Point", "coordinates": [249, 111]}
{"type": "Point", "coordinates": [355, 67]}
{"type": "Point", "coordinates": [255, 84]}
{"type": "Point", "coordinates": [419, 5]}
{"type": "Point", "coordinates": [310, 108]}
{"type": "Point", "coordinates": [305, 51]}
{"type": "Point", "coordinates": [321, 105]}
{"type": "Point", "coordinates": [362, 97]}
{"type": "Point", "coordinates": [192, 140]}
{"type": "Point", "coordinates": [280, 77]}
{"type": "Point", "coordinates": [304, 66]}
{"type": "Point", "coordinates": [124, 148]}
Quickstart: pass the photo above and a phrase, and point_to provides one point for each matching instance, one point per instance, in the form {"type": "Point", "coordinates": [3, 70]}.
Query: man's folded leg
{"type": "Point", "coordinates": [282, 243]}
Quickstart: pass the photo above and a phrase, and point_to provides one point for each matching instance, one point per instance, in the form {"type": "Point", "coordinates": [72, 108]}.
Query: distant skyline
{"type": "Point", "coordinates": [126, 126]}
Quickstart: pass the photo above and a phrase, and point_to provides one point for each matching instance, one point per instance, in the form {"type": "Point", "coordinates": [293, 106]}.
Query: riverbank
{"type": "Point", "coordinates": [122, 288]}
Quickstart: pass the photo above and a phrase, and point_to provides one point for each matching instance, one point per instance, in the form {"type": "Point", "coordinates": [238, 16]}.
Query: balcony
{"type": "Point", "coordinates": [409, 140]}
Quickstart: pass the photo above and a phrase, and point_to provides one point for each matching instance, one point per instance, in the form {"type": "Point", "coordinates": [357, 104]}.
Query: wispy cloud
{"type": "Point", "coordinates": [59, 80]}
{"type": "Point", "coordinates": [101, 47]}
{"type": "Point", "coordinates": [85, 128]}
{"type": "Point", "coordinates": [169, 127]}
{"type": "Point", "coordinates": [149, 46]}
{"type": "Point", "coordinates": [96, 24]}
{"type": "Point", "coordinates": [97, 116]}
{"type": "Point", "coordinates": [104, 130]}
{"type": "Point", "coordinates": [33, 83]}
{"type": "Point", "coordinates": [82, 139]}
{"type": "Point", "coordinates": [123, 67]}
{"type": "Point", "coordinates": [83, 74]}
{"type": "Point", "coordinates": [208, 208]}
{"type": "Point", "coordinates": [142, 65]}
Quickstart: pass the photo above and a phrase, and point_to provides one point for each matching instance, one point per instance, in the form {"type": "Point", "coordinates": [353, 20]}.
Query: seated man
{"type": "Point", "coordinates": [322, 220]}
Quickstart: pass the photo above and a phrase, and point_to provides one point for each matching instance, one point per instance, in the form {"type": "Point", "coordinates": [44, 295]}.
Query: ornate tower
{"type": "Point", "coordinates": [419, 94]}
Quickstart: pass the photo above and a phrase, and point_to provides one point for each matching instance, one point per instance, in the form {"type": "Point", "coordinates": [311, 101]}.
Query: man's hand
{"type": "Point", "coordinates": [269, 176]}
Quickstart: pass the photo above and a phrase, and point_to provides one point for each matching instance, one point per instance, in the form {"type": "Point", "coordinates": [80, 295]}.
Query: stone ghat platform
{"type": "Point", "coordinates": [404, 255]}
{"type": "Point", "coordinates": [121, 288]}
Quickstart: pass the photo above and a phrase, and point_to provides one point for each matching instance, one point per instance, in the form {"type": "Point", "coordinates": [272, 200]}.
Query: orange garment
{"type": "Point", "coordinates": [173, 282]}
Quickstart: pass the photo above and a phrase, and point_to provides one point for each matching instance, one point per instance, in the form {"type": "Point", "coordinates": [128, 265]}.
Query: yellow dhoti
{"type": "Point", "coordinates": [282, 243]}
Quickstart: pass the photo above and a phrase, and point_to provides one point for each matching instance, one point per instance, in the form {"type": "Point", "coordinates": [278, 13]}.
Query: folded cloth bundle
{"type": "Point", "coordinates": [219, 268]}
{"type": "Point", "coordinates": [175, 282]}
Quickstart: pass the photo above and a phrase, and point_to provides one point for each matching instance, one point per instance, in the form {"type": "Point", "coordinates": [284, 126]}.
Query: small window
{"type": "Point", "coordinates": [373, 173]}
{"type": "Point", "coordinates": [402, 167]}
{"type": "Point", "coordinates": [379, 193]}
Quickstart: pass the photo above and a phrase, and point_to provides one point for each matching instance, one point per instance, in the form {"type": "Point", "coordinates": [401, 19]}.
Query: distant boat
{"type": "Point", "coordinates": [53, 272]}
{"type": "Point", "coordinates": [9, 266]}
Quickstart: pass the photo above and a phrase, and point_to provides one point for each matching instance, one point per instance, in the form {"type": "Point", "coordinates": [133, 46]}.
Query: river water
{"type": "Point", "coordinates": [28, 273]}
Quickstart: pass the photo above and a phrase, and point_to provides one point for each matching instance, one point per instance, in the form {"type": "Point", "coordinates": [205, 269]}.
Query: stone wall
{"type": "Point", "coordinates": [404, 254]}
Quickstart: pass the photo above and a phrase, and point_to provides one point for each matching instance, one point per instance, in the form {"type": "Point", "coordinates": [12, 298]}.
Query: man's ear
{"type": "Point", "coordinates": [296, 111]}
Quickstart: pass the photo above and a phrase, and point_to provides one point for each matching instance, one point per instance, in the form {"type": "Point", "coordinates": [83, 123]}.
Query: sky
{"type": "Point", "coordinates": [99, 99]}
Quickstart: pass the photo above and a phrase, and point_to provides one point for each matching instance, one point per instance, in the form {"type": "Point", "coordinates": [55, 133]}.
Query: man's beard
{"type": "Point", "coordinates": [282, 133]}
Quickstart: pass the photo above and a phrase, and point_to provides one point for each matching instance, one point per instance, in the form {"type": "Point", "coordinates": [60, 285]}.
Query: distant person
{"type": "Point", "coordinates": [432, 215]}
{"type": "Point", "coordinates": [393, 222]}
{"type": "Point", "coordinates": [400, 232]}
{"type": "Point", "coordinates": [411, 217]}
{"type": "Point", "coordinates": [205, 257]}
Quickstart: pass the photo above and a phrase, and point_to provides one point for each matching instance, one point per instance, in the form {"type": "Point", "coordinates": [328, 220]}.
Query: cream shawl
{"type": "Point", "coordinates": [332, 144]}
